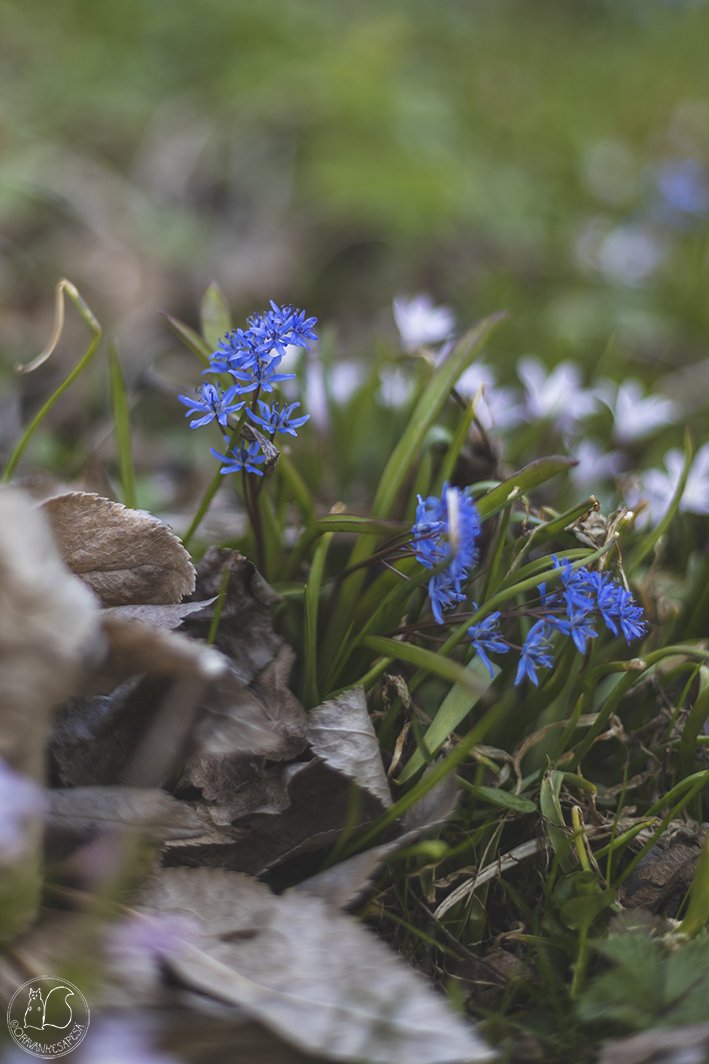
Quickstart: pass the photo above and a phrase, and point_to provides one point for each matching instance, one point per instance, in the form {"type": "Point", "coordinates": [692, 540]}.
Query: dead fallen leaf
{"type": "Point", "coordinates": [342, 734]}
{"type": "Point", "coordinates": [49, 629]}
{"type": "Point", "coordinates": [80, 812]}
{"type": "Point", "coordinates": [312, 803]}
{"type": "Point", "coordinates": [663, 876]}
{"type": "Point", "coordinates": [245, 632]}
{"type": "Point", "coordinates": [124, 556]}
{"type": "Point", "coordinates": [316, 978]}
{"type": "Point", "coordinates": [669, 1045]}
{"type": "Point", "coordinates": [170, 616]}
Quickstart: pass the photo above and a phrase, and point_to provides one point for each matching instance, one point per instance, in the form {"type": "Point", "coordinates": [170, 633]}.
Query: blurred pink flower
{"type": "Point", "coordinates": [557, 395]}
{"type": "Point", "coordinates": [21, 799]}
{"type": "Point", "coordinates": [635, 417]}
{"type": "Point", "coordinates": [656, 487]}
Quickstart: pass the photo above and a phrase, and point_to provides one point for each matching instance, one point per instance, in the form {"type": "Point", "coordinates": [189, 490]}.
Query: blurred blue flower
{"type": "Point", "coordinates": [680, 196]}
{"type": "Point", "coordinates": [213, 403]}
{"type": "Point", "coordinates": [447, 528]}
{"type": "Point", "coordinates": [486, 636]}
{"type": "Point", "coordinates": [535, 652]}
{"type": "Point", "coordinates": [274, 419]}
{"type": "Point", "coordinates": [21, 799]}
{"type": "Point", "coordinates": [578, 626]}
{"type": "Point", "coordinates": [240, 457]}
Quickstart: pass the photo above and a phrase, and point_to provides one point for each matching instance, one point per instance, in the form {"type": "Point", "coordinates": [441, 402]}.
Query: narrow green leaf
{"type": "Point", "coordinates": [531, 476]}
{"type": "Point", "coordinates": [456, 445]}
{"type": "Point", "coordinates": [215, 316]}
{"type": "Point", "coordinates": [697, 916]}
{"type": "Point", "coordinates": [121, 427]}
{"type": "Point", "coordinates": [297, 487]}
{"type": "Point", "coordinates": [63, 287]}
{"type": "Point", "coordinates": [189, 337]}
{"type": "Point", "coordinates": [426, 659]}
{"type": "Point", "coordinates": [454, 708]}
{"type": "Point", "coordinates": [496, 796]}
{"type": "Point", "coordinates": [312, 595]}
{"type": "Point", "coordinates": [694, 723]}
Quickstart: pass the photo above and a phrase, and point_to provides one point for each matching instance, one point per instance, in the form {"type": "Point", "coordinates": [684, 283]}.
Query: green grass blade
{"type": "Point", "coordinates": [312, 595]}
{"type": "Point", "coordinates": [67, 287]}
{"type": "Point", "coordinates": [121, 427]}
{"type": "Point", "coordinates": [189, 337]}
{"type": "Point", "coordinates": [456, 445]}
{"type": "Point", "coordinates": [649, 541]}
{"type": "Point", "coordinates": [297, 488]}
{"type": "Point", "coordinates": [426, 659]}
{"type": "Point", "coordinates": [452, 710]}
{"type": "Point", "coordinates": [215, 316]}
{"type": "Point", "coordinates": [531, 476]}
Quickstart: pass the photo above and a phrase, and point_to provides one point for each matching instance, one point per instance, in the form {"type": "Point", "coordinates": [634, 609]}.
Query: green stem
{"type": "Point", "coordinates": [87, 315]}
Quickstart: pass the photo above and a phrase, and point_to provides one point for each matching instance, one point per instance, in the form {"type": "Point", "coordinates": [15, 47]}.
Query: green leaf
{"type": "Point", "coordinates": [189, 337]}
{"type": "Point", "coordinates": [312, 595]}
{"type": "Point", "coordinates": [697, 916]}
{"type": "Point", "coordinates": [531, 476]}
{"type": "Point", "coordinates": [454, 708]}
{"type": "Point", "coordinates": [508, 800]}
{"type": "Point", "coordinates": [444, 667]}
{"type": "Point", "coordinates": [215, 316]}
{"type": "Point", "coordinates": [121, 427]}
{"type": "Point", "coordinates": [649, 541]}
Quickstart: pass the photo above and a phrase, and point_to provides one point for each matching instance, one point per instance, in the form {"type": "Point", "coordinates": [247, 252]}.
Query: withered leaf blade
{"type": "Point", "coordinates": [170, 616]}
{"type": "Point", "coordinates": [316, 978]}
{"type": "Point", "coordinates": [343, 884]}
{"type": "Point", "coordinates": [245, 632]}
{"type": "Point", "coordinates": [123, 555]}
{"type": "Point", "coordinates": [342, 734]}
{"type": "Point", "coordinates": [86, 811]}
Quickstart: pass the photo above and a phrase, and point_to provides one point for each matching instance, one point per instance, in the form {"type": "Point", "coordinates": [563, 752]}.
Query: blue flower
{"type": "Point", "coordinates": [447, 528]}
{"type": "Point", "coordinates": [263, 375]}
{"type": "Point", "coordinates": [280, 327]}
{"type": "Point", "coordinates": [576, 586]}
{"type": "Point", "coordinates": [578, 626]}
{"type": "Point", "coordinates": [631, 622]}
{"type": "Point", "coordinates": [486, 636]}
{"type": "Point", "coordinates": [240, 457]}
{"type": "Point", "coordinates": [213, 403]}
{"type": "Point", "coordinates": [274, 420]}
{"type": "Point", "coordinates": [535, 652]}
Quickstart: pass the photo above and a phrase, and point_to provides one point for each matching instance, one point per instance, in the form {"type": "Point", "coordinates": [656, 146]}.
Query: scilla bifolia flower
{"type": "Point", "coordinates": [252, 357]}
{"type": "Point", "coordinates": [447, 528]}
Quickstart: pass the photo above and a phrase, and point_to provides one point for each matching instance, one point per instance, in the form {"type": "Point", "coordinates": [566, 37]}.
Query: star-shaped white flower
{"type": "Point", "coordinates": [657, 486]}
{"type": "Point", "coordinates": [557, 395]}
{"type": "Point", "coordinates": [635, 416]}
{"type": "Point", "coordinates": [420, 323]}
{"type": "Point", "coordinates": [594, 464]}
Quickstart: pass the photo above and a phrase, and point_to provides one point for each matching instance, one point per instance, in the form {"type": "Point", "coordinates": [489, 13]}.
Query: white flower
{"type": "Point", "coordinates": [594, 464]}
{"type": "Point", "coordinates": [396, 387]}
{"type": "Point", "coordinates": [656, 487]}
{"type": "Point", "coordinates": [499, 408]}
{"type": "Point", "coordinates": [630, 254]}
{"type": "Point", "coordinates": [345, 379]}
{"type": "Point", "coordinates": [123, 1039]}
{"type": "Point", "coordinates": [21, 799]}
{"type": "Point", "coordinates": [559, 395]}
{"type": "Point", "coordinates": [635, 417]}
{"type": "Point", "coordinates": [419, 322]}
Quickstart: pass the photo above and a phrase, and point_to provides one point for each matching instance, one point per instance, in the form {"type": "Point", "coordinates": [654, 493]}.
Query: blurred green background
{"type": "Point", "coordinates": [495, 153]}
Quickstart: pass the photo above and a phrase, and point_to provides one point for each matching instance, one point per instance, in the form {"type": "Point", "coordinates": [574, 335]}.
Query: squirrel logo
{"type": "Point", "coordinates": [40, 1012]}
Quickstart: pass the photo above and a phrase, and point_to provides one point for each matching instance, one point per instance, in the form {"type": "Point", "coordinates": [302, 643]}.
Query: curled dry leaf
{"type": "Point", "coordinates": [123, 555]}
{"type": "Point", "coordinates": [170, 616]}
{"type": "Point", "coordinates": [245, 632]}
{"type": "Point", "coordinates": [85, 811]}
{"type": "Point", "coordinates": [316, 978]}
{"type": "Point", "coordinates": [342, 734]}
{"type": "Point", "coordinates": [48, 629]}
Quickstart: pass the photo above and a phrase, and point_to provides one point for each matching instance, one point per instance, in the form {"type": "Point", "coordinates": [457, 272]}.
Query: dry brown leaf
{"type": "Point", "coordinates": [170, 616]}
{"type": "Point", "coordinates": [342, 734]}
{"type": "Point", "coordinates": [123, 555]}
{"type": "Point", "coordinates": [669, 1045]}
{"type": "Point", "coordinates": [49, 627]}
{"type": "Point", "coordinates": [86, 811]}
{"type": "Point", "coordinates": [316, 978]}
{"type": "Point", "coordinates": [245, 632]}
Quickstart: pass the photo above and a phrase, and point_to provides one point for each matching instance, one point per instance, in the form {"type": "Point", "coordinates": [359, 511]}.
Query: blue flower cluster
{"type": "Point", "coordinates": [446, 528]}
{"type": "Point", "coordinates": [252, 356]}
{"type": "Point", "coordinates": [571, 609]}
